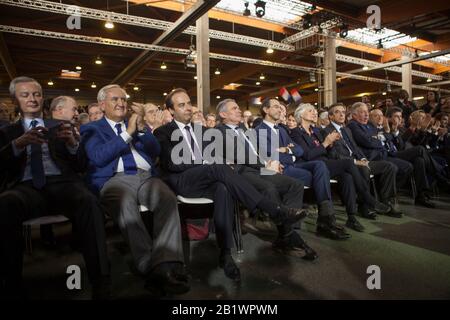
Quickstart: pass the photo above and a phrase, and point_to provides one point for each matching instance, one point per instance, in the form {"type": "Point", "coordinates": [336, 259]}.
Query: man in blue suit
{"type": "Point", "coordinates": [121, 169]}
{"type": "Point", "coordinates": [312, 173]}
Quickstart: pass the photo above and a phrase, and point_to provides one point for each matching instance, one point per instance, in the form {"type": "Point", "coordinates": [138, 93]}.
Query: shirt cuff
{"type": "Point", "coordinates": [126, 137]}
{"type": "Point", "coordinates": [16, 150]}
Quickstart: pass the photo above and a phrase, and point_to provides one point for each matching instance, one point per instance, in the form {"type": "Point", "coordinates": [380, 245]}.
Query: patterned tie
{"type": "Point", "coordinates": [194, 148]}
{"type": "Point", "coordinates": [129, 165]}
{"type": "Point", "coordinates": [37, 166]}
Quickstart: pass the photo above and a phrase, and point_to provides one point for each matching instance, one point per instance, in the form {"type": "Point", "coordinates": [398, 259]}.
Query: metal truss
{"type": "Point", "coordinates": [327, 25]}
{"type": "Point", "coordinates": [65, 9]}
{"type": "Point", "coordinates": [144, 46]}
{"type": "Point", "coordinates": [370, 63]}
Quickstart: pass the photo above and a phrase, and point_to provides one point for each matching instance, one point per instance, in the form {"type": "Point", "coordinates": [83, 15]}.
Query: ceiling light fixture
{"type": "Point", "coordinates": [260, 8]}
{"type": "Point", "coordinates": [109, 24]}
{"type": "Point", "coordinates": [98, 60]}
{"type": "Point", "coordinates": [262, 77]}
{"type": "Point", "coordinates": [77, 90]}
{"type": "Point", "coordinates": [78, 67]}
{"type": "Point", "coordinates": [258, 83]}
{"type": "Point", "coordinates": [50, 83]}
{"type": "Point", "coordinates": [93, 85]}
{"type": "Point", "coordinates": [217, 71]}
{"type": "Point", "coordinates": [135, 88]}
{"type": "Point", "coordinates": [163, 66]}
{"type": "Point", "coordinates": [269, 50]}
{"type": "Point", "coordinates": [365, 68]}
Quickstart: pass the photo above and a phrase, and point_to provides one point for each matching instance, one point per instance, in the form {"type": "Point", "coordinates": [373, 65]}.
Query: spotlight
{"type": "Point", "coordinates": [77, 90]}
{"type": "Point", "coordinates": [217, 72]}
{"type": "Point", "coordinates": [307, 21]}
{"type": "Point", "coordinates": [195, 77]}
{"type": "Point", "coordinates": [429, 80]}
{"type": "Point", "coordinates": [50, 83]}
{"type": "Point", "coordinates": [365, 68]}
{"type": "Point", "coordinates": [262, 77]}
{"type": "Point", "coordinates": [135, 88]}
{"type": "Point", "coordinates": [258, 83]}
{"type": "Point", "coordinates": [98, 60]}
{"type": "Point", "coordinates": [380, 44]}
{"type": "Point", "coordinates": [246, 10]}
{"type": "Point", "coordinates": [269, 50]}
{"type": "Point", "coordinates": [93, 85]}
{"type": "Point", "coordinates": [109, 24]}
{"type": "Point", "coordinates": [260, 9]}
{"type": "Point", "coordinates": [217, 97]}
{"type": "Point", "coordinates": [163, 66]}
{"type": "Point", "coordinates": [165, 94]}
{"type": "Point", "coordinates": [78, 67]}
{"type": "Point", "coordinates": [343, 32]}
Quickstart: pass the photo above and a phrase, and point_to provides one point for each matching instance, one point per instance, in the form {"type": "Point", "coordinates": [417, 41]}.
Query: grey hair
{"type": "Point", "coordinates": [101, 95]}
{"type": "Point", "coordinates": [15, 81]}
{"type": "Point", "coordinates": [301, 109]}
{"type": "Point", "coordinates": [59, 102]}
{"type": "Point", "coordinates": [222, 106]}
{"type": "Point", "coordinates": [358, 105]}
{"type": "Point", "coordinates": [323, 115]}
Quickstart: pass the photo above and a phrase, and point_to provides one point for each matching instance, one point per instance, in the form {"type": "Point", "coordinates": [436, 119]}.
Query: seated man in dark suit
{"type": "Point", "coordinates": [241, 153]}
{"type": "Point", "coordinates": [121, 169]}
{"type": "Point", "coordinates": [351, 183]}
{"type": "Point", "coordinates": [366, 136]}
{"type": "Point", "coordinates": [189, 171]}
{"type": "Point", "coordinates": [274, 143]}
{"type": "Point", "coordinates": [39, 164]}
{"type": "Point", "coordinates": [423, 163]}
{"type": "Point", "coordinates": [346, 148]}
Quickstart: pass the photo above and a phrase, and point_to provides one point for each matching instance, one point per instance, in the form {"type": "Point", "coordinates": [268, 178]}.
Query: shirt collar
{"type": "Point", "coordinates": [113, 123]}
{"type": "Point", "coordinates": [270, 124]}
{"type": "Point", "coordinates": [232, 126]}
{"type": "Point", "coordinates": [337, 126]}
{"type": "Point", "coordinates": [182, 125]}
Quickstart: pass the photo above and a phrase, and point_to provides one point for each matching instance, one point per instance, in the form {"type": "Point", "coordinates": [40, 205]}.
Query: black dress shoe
{"type": "Point", "coordinates": [331, 233]}
{"type": "Point", "coordinates": [424, 202]}
{"type": "Point", "coordinates": [354, 224]}
{"type": "Point", "coordinates": [294, 243]}
{"type": "Point", "coordinates": [164, 278]}
{"type": "Point", "coordinates": [229, 267]}
{"type": "Point", "coordinates": [381, 208]}
{"type": "Point", "coordinates": [366, 213]}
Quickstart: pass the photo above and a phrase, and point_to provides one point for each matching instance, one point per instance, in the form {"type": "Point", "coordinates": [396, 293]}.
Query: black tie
{"type": "Point", "coordinates": [347, 141]}
{"type": "Point", "coordinates": [194, 148]}
{"type": "Point", "coordinates": [129, 165]}
{"type": "Point", "coordinates": [37, 166]}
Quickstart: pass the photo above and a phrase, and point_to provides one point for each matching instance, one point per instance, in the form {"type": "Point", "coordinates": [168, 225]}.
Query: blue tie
{"type": "Point", "coordinates": [129, 165]}
{"type": "Point", "coordinates": [37, 166]}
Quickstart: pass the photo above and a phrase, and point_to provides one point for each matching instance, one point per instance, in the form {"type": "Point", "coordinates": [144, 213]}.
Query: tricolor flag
{"type": "Point", "coordinates": [285, 94]}
{"type": "Point", "coordinates": [255, 100]}
{"type": "Point", "coordinates": [295, 95]}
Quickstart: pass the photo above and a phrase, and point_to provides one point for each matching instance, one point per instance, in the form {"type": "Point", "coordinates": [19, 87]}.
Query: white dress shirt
{"type": "Point", "coordinates": [141, 163]}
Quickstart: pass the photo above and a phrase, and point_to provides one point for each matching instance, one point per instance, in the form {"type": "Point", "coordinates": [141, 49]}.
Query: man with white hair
{"type": "Point", "coordinates": [377, 147]}
{"type": "Point", "coordinates": [64, 108]}
{"type": "Point", "coordinates": [122, 170]}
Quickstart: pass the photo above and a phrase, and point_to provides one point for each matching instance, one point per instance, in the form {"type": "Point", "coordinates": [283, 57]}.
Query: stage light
{"type": "Point", "coordinates": [93, 85]}
{"type": "Point", "coordinates": [343, 32]}
{"type": "Point", "coordinates": [163, 66]}
{"type": "Point", "coordinates": [109, 24]}
{"type": "Point", "coordinates": [307, 21]}
{"type": "Point", "coordinates": [50, 83]}
{"type": "Point", "coordinates": [260, 8]}
{"type": "Point", "coordinates": [246, 10]}
{"type": "Point", "coordinates": [269, 50]}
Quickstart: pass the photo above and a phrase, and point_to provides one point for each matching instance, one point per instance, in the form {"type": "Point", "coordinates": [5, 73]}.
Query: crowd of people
{"type": "Point", "coordinates": [113, 157]}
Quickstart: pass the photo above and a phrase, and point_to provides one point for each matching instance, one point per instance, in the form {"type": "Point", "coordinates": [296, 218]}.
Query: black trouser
{"type": "Point", "coordinates": [59, 196]}
{"type": "Point", "coordinates": [422, 164]}
{"type": "Point", "coordinates": [351, 184]}
{"type": "Point", "coordinates": [385, 173]}
{"type": "Point", "coordinates": [223, 185]}
{"type": "Point", "coordinates": [279, 188]}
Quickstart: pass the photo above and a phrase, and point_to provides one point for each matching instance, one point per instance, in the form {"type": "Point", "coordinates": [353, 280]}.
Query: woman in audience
{"type": "Point", "coordinates": [433, 105]}
{"type": "Point", "coordinates": [291, 122]}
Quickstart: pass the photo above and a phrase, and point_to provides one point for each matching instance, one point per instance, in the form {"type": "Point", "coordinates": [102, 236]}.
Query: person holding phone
{"type": "Point", "coordinates": [38, 178]}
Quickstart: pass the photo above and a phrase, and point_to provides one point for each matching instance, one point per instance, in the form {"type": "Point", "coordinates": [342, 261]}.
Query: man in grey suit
{"type": "Point", "coordinates": [121, 168]}
{"type": "Point", "coordinates": [346, 148]}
